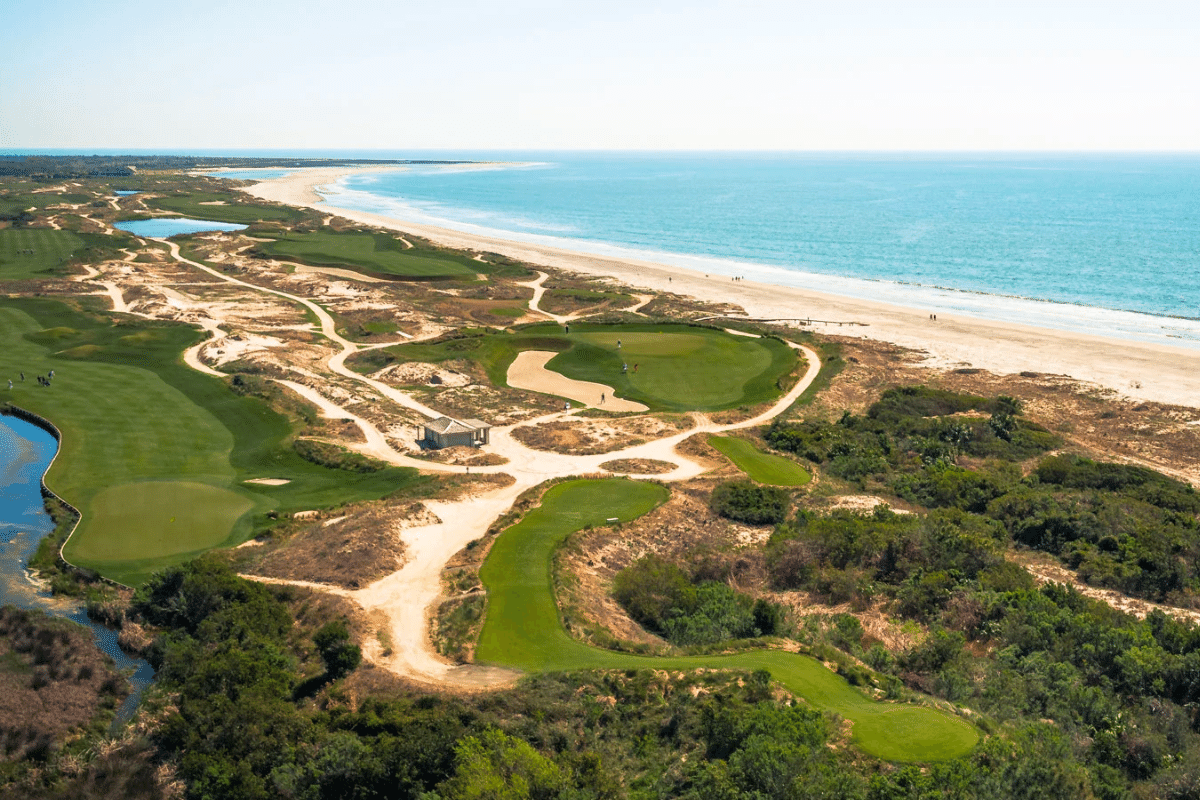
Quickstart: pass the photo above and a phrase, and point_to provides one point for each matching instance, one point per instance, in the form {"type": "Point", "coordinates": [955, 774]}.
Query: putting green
{"type": "Point", "coordinates": [160, 518]}
{"type": "Point", "coordinates": [676, 367]}
{"type": "Point", "coordinates": [670, 367]}
{"type": "Point", "coordinates": [144, 444]}
{"type": "Point", "coordinates": [763, 467]}
{"type": "Point", "coordinates": [378, 253]}
{"type": "Point", "coordinates": [523, 629]}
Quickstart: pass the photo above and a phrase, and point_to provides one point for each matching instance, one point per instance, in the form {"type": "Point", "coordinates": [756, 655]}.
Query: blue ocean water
{"type": "Point", "coordinates": [1095, 243]}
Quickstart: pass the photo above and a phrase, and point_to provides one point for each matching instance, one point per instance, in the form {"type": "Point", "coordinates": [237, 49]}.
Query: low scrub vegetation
{"type": "Point", "coordinates": [746, 501]}
{"type": "Point", "coordinates": [666, 600]}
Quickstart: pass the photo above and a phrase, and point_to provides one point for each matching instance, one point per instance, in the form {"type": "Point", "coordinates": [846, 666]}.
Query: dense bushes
{"type": "Point", "coordinates": [749, 502]}
{"type": "Point", "coordinates": [664, 599]}
{"type": "Point", "coordinates": [1123, 527]}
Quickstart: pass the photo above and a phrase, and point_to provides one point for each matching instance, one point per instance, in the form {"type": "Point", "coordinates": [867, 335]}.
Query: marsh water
{"type": "Point", "coordinates": [26, 452]}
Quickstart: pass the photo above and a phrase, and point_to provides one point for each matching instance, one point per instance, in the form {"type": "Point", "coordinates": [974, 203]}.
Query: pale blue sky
{"type": "Point", "coordinates": [670, 75]}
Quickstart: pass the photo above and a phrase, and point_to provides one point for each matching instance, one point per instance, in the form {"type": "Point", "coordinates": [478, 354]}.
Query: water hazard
{"type": "Point", "coordinates": [166, 227]}
{"type": "Point", "coordinates": [26, 452]}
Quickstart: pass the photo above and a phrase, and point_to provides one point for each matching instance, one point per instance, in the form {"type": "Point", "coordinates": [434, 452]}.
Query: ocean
{"type": "Point", "coordinates": [1092, 243]}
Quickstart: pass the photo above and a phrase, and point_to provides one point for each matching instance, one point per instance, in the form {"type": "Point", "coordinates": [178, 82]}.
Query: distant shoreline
{"type": "Point", "coordinates": [1134, 369]}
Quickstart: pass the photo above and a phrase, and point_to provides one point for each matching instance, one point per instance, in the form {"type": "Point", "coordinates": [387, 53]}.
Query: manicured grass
{"type": "Point", "coordinates": [523, 630]}
{"type": "Point", "coordinates": [378, 253]}
{"type": "Point", "coordinates": [679, 367]}
{"type": "Point", "coordinates": [50, 248]}
{"type": "Point", "coordinates": [763, 467]}
{"type": "Point", "coordinates": [132, 415]}
{"type": "Point", "coordinates": [193, 205]}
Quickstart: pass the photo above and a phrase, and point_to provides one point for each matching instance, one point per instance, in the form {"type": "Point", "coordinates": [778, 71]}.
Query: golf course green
{"type": "Point", "coordinates": [376, 253]}
{"type": "Point", "coordinates": [154, 454]}
{"type": "Point", "coordinates": [32, 252]}
{"type": "Point", "coordinates": [522, 628]}
{"type": "Point", "coordinates": [763, 467]}
{"type": "Point", "coordinates": [667, 367]}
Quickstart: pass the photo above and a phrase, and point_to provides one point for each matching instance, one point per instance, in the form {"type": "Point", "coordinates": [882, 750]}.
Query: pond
{"type": "Point", "coordinates": [26, 452]}
{"type": "Point", "coordinates": [125, 192]}
{"type": "Point", "coordinates": [166, 227]}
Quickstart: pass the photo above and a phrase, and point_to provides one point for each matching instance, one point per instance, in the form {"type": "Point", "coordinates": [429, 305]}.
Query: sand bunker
{"type": "Point", "coordinates": [268, 481]}
{"type": "Point", "coordinates": [528, 371]}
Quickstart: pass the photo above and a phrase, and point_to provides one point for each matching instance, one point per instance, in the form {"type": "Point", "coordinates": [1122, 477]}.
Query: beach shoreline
{"type": "Point", "coordinates": [1133, 369]}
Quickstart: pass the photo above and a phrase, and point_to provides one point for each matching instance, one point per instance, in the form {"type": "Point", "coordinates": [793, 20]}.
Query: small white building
{"type": "Point", "coordinates": [449, 432]}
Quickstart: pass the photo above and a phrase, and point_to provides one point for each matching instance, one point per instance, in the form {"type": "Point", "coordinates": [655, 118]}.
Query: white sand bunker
{"type": "Point", "coordinates": [269, 481]}
{"type": "Point", "coordinates": [528, 371]}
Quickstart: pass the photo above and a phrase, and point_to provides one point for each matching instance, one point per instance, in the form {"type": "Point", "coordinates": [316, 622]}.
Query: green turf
{"type": "Point", "coordinates": [522, 628]}
{"type": "Point", "coordinates": [50, 248]}
{"type": "Point", "coordinates": [378, 253]}
{"type": "Point", "coordinates": [679, 367]}
{"type": "Point", "coordinates": [194, 205]}
{"type": "Point", "coordinates": [131, 413]}
{"type": "Point", "coordinates": [762, 467]}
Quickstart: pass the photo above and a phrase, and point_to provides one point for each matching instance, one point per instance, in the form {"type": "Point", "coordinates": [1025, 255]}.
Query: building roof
{"type": "Point", "coordinates": [449, 425]}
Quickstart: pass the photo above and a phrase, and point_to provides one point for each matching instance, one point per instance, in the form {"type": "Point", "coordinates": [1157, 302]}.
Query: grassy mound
{"type": "Point", "coordinates": [133, 417]}
{"type": "Point", "coordinates": [223, 208]}
{"type": "Point", "coordinates": [378, 253]}
{"type": "Point", "coordinates": [763, 467]}
{"type": "Point", "coordinates": [523, 630]}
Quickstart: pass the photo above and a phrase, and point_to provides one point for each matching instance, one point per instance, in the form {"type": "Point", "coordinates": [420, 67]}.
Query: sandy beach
{"type": "Point", "coordinates": [1137, 370]}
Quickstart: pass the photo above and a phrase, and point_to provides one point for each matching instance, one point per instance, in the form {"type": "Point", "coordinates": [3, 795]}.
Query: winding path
{"type": "Point", "coordinates": [408, 595]}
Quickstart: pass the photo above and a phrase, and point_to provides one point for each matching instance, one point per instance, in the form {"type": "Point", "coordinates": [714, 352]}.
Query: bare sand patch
{"type": "Point", "coordinates": [269, 481]}
{"type": "Point", "coordinates": [528, 371]}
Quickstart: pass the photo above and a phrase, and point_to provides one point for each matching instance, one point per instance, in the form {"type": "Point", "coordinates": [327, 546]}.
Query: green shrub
{"type": "Point", "coordinates": [746, 501]}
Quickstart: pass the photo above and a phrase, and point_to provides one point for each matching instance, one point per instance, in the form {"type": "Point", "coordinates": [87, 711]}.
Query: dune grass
{"type": "Point", "coordinates": [132, 416]}
{"type": "Point", "coordinates": [223, 207]}
{"type": "Point", "coordinates": [376, 253]}
{"type": "Point", "coordinates": [678, 367]}
{"type": "Point", "coordinates": [763, 467]}
{"type": "Point", "coordinates": [50, 248]}
{"type": "Point", "coordinates": [523, 629]}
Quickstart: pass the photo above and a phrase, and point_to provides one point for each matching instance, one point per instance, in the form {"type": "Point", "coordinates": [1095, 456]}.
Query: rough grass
{"type": "Point", "coordinates": [523, 629]}
{"type": "Point", "coordinates": [50, 248]}
{"type": "Point", "coordinates": [191, 205]}
{"type": "Point", "coordinates": [130, 413]}
{"type": "Point", "coordinates": [763, 467]}
{"type": "Point", "coordinates": [378, 253]}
